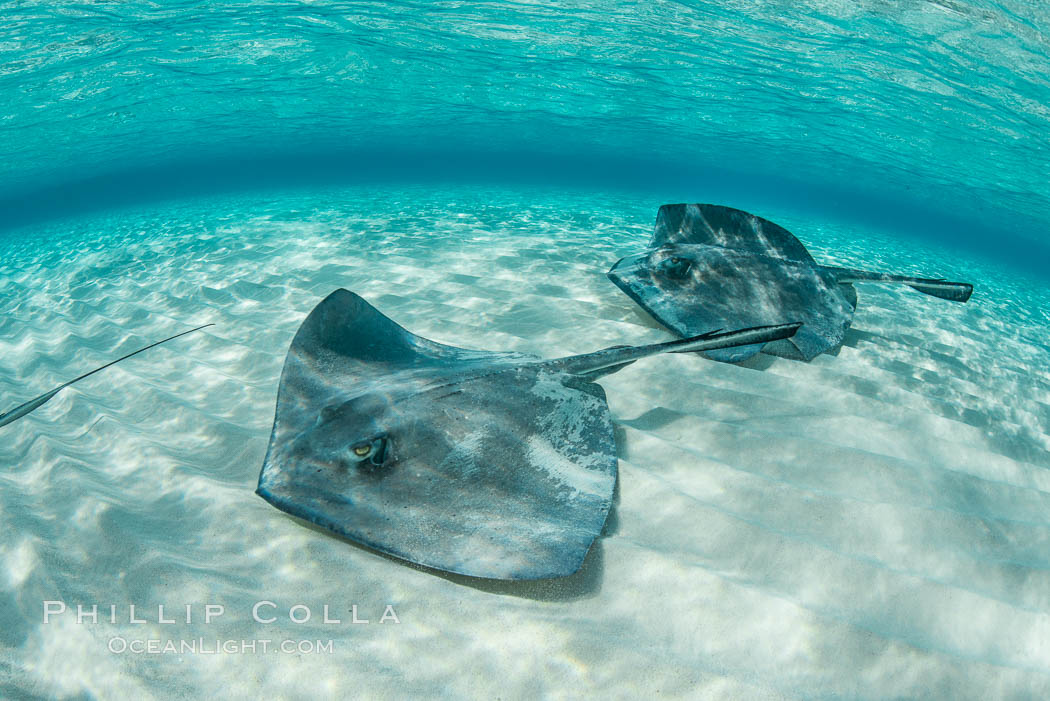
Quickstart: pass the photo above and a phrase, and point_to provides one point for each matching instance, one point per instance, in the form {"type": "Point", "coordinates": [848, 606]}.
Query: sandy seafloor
{"type": "Point", "coordinates": [874, 524]}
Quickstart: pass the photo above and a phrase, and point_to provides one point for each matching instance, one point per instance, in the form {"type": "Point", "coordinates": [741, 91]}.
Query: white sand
{"type": "Point", "coordinates": [872, 524]}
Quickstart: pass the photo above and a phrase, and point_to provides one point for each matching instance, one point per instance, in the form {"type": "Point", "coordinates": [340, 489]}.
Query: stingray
{"type": "Point", "coordinates": [498, 465]}
{"type": "Point", "coordinates": [34, 404]}
{"type": "Point", "coordinates": [710, 266]}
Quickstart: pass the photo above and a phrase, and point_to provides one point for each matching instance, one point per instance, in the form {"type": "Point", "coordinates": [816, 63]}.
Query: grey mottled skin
{"type": "Point", "coordinates": [496, 465]}
{"type": "Point", "coordinates": [711, 267]}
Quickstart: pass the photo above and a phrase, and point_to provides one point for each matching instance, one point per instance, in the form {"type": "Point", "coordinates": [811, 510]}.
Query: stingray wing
{"type": "Point", "coordinates": [345, 342]}
{"type": "Point", "coordinates": [495, 465]}
{"type": "Point", "coordinates": [719, 288]}
{"type": "Point", "coordinates": [347, 347]}
{"type": "Point", "coordinates": [715, 225]}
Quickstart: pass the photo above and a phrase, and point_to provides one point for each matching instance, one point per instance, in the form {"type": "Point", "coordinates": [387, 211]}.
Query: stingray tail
{"type": "Point", "coordinates": [34, 404]}
{"type": "Point", "coordinates": [605, 362]}
{"type": "Point", "coordinates": [954, 291]}
{"type": "Point", "coordinates": [23, 409]}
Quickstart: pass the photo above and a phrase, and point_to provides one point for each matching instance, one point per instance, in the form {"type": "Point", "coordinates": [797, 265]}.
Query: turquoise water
{"type": "Point", "coordinates": [872, 524]}
{"type": "Point", "coordinates": [929, 117]}
{"type": "Point", "coordinates": [869, 524]}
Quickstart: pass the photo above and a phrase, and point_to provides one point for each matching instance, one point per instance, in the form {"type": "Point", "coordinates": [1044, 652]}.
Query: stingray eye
{"type": "Point", "coordinates": [370, 453]}
{"type": "Point", "coordinates": [675, 267]}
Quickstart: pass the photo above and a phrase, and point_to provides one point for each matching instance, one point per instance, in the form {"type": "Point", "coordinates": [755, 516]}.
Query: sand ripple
{"type": "Point", "coordinates": [872, 524]}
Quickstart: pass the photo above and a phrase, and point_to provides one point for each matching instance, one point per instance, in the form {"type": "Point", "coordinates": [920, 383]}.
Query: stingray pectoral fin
{"type": "Point", "coordinates": [610, 360]}
{"type": "Point", "coordinates": [30, 406]}
{"type": "Point", "coordinates": [953, 291]}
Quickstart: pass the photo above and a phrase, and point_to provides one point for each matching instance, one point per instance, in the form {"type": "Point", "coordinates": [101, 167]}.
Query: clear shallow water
{"type": "Point", "coordinates": [930, 117]}
{"type": "Point", "coordinates": [872, 524]}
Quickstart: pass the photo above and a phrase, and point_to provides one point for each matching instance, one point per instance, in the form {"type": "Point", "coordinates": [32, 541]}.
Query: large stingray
{"type": "Point", "coordinates": [711, 267]}
{"type": "Point", "coordinates": [34, 404]}
{"type": "Point", "coordinates": [489, 464]}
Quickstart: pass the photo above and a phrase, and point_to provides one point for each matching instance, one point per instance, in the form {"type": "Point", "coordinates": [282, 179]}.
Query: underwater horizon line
{"type": "Point", "coordinates": [1007, 237]}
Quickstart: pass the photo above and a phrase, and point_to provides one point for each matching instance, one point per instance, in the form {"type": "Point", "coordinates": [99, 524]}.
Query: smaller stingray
{"type": "Point", "coordinates": [711, 267]}
{"type": "Point", "coordinates": [487, 464]}
{"type": "Point", "coordinates": [34, 404]}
